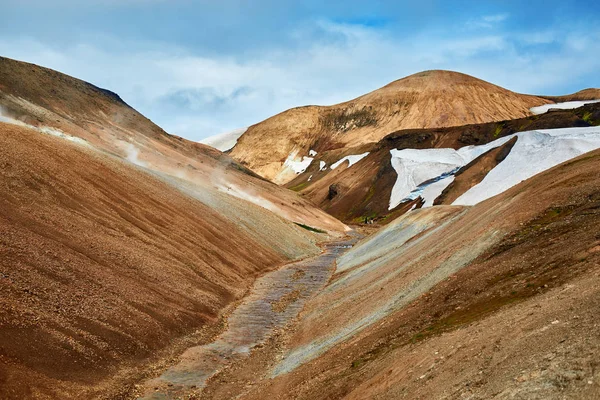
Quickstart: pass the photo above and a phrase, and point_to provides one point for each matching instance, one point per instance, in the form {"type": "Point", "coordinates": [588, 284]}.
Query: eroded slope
{"type": "Point", "coordinates": [44, 98]}
{"type": "Point", "coordinates": [103, 264]}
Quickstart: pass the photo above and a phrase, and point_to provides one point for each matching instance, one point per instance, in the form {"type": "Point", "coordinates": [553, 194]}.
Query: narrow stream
{"type": "Point", "coordinates": [275, 299]}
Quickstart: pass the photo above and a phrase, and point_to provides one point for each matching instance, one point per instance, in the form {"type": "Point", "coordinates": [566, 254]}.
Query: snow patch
{"type": "Point", "coordinates": [416, 166]}
{"type": "Point", "coordinates": [567, 105]}
{"type": "Point", "coordinates": [433, 191]}
{"type": "Point", "coordinates": [352, 159]}
{"type": "Point", "coordinates": [297, 166]}
{"type": "Point", "coordinates": [322, 165]}
{"type": "Point", "coordinates": [224, 141]}
{"type": "Point", "coordinates": [312, 153]}
{"type": "Point", "coordinates": [534, 152]}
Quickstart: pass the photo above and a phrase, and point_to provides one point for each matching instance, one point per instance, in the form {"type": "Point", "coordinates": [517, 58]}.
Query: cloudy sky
{"type": "Point", "coordinates": [198, 68]}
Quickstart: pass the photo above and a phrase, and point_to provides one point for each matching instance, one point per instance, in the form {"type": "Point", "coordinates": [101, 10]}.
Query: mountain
{"type": "Point", "coordinates": [121, 244]}
{"type": "Point", "coordinates": [585, 94]}
{"type": "Point", "coordinates": [498, 300]}
{"type": "Point", "coordinates": [41, 97]}
{"type": "Point", "coordinates": [365, 190]}
{"type": "Point", "coordinates": [429, 99]}
{"type": "Point", "coordinates": [135, 264]}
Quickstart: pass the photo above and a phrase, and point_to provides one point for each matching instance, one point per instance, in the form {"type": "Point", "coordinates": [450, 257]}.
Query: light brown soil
{"type": "Point", "coordinates": [428, 99]}
{"type": "Point", "coordinates": [585, 94]}
{"type": "Point", "coordinates": [104, 266]}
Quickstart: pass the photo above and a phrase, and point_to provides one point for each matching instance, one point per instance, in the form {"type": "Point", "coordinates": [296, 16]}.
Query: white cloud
{"type": "Point", "coordinates": [198, 96]}
{"type": "Point", "coordinates": [487, 21]}
{"type": "Point", "coordinates": [495, 18]}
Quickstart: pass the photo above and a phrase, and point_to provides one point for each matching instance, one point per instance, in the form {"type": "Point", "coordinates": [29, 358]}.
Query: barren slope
{"type": "Point", "coordinates": [499, 300]}
{"type": "Point", "coordinates": [585, 94]}
{"type": "Point", "coordinates": [45, 98]}
{"type": "Point", "coordinates": [428, 99]}
{"type": "Point", "coordinates": [102, 264]}
{"type": "Point", "coordinates": [121, 245]}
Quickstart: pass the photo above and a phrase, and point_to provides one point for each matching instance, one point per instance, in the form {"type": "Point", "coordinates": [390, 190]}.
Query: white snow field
{"type": "Point", "coordinates": [427, 172]}
{"type": "Point", "coordinates": [433, 191]}
{"type": "Point", "coordinates": [322, 165]}
{"type": "Point", "coordinates": [297, 166]}
{"type": "Point", "coordinates": [534, 152]}
{"type": "Point", "coordinates": [416, 166]}
{"type": "Point", "coordinates": [224, 141]}
{"type": "Point", "coordinates": [567, 105]}
{"type": "Point", "coordinates": [352, 159]}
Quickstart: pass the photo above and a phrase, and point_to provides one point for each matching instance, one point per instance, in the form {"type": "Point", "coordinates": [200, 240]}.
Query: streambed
{"type": "Point", "coordinates": [275, 299]}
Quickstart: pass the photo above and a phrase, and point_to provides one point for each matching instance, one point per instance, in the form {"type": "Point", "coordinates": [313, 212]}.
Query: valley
{"type": "Point", "coordinates": [274, 302]}
{"type": "Point", "coordinates": [435, 238]}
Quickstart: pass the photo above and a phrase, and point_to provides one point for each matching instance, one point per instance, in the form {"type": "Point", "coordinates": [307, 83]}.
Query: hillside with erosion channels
{"type": "Point", "coordinates": [436, 238]}
{"type": "Point", "coordinates": [120, 243]}
{"type": "Point", "coordinates": [430, 99]}
{"type": "Point", "coordinates": [53, 102]}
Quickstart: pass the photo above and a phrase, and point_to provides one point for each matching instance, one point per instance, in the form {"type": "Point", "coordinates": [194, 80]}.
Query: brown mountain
{"type": "Point", "coordinates": [120, 244]}
{"type": "Point", "coordinates": [363, 190]}
{"type": "Point", "coordinates": [40, 97]}
{"type": "Point", "coordinates": [137, 264]}
{"type": "Point", "coordinates": [585, 94]}
{"type": "Point", "coordinates": [429, 99]}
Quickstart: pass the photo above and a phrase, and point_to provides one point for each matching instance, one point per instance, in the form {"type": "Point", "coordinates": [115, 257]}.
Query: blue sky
{"type": "Point", "coordinates": [198, 68]}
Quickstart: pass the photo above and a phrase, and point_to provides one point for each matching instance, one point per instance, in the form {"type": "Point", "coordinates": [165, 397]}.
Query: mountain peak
{"type": "Point", "coordinates": [437, 78]}
{"type": "Point", "coordinates": [427, 99]}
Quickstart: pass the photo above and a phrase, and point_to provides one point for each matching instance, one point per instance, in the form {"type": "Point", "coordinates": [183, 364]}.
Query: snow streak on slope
{"type": "Point", "coordinates": [568, 105]}
{"type": "Point", "coordinates": [434, 190]}
{"type": "Point", "coordinates": [352, 159]}
{"type": "Point", "coordinates": [297, 166]}
{"type": "Point", "coordinates": [415, 166]}
{"type": "Point", "coordinates": [224, 141]}
{"type": "Point", "coordinates": [534, 152]}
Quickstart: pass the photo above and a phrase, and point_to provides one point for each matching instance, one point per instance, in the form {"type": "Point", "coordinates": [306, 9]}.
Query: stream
{"type": "Point", "coordinates": [274, 300]}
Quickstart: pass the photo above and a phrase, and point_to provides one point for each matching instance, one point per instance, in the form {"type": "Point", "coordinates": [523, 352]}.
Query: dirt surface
{"type": "Point", "coordinates": [103, 265]}
{"type": "Point", "coordinates": [429, 99]}
{"type": "Point", "coordinates": [49, 100]}
{"type": "Point", "coordinates": [495, 301]}
{"type": "Point", "coordinates": [275, 300]}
